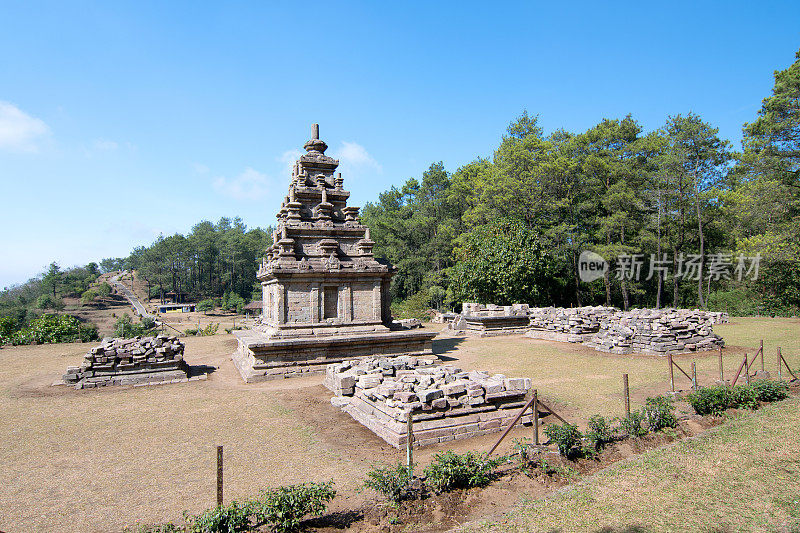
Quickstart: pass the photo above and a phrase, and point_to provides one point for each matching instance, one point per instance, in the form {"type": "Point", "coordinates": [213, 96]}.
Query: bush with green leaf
{"type": "Point", "coordinates": [743, 396]}
{"type": "Point", "coordinates": [450, 470]}
{"type": "Point", "coordinates": [633, 424]}
{"type": "Point", "coordinates": [88, 296]}
{"type": "Point", "coordinates": [206, 305]}
{"type": "Point", "coordinates": [658, 413]}
{"type": "Point", "coordinates": [126, 328]}
{"type": "Point", "coordinates": [567, 438]}
{"type": "Point", "coordinates": [48, 329]}
{"type": "Point", "coordinates": [771, 391]}
{"type": "Point", "coordinates": [710, 400]}
{"type": "Point", "coordinates": [394, 482]}
{"type": "Point", "coordinates": [284, 507]}
{"type": "Point", "coordinates": [103, 290]}
{"type": "Point", "coordinates": [229, 518]}
{"type": "Point", "coordinates": [600, 432]}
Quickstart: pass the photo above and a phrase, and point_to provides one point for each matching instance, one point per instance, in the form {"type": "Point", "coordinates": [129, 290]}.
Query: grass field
{"type": "Point", "coordinates": [96, 460]}
{"type": "Point", "coordinates": [741, 476]}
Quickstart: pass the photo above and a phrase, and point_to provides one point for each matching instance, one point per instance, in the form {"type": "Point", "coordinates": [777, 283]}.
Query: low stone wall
{"type": "Point", "coordinates": [656, 331]}
{"type": "Point", "coordinates": [490, 320]}
{"type": "Point", "coordinates": [574, 324]}
{"type": "Point", "coordinates": [445, 403]}
{"type": "Point", "coordinates": [119, 361]}
{"type": "Point", "coordinates": [648, 331]}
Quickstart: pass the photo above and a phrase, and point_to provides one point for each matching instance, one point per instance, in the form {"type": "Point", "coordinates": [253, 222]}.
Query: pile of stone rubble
{"type": "Point", "coordinates": [656, 331]}
{"type": "Point", "coordinates": [575, 324]}
{"type": "Point", "coordinates": [445, 403]}
{"type": "Point", "coordinates": [119, 361]}
{"type": "Point", "coordinates": [489, 320]}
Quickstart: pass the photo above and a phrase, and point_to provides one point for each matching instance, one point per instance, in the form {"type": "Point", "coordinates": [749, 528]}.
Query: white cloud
{"type": "Point", "coordinates": [355, 159]}
{"type": "Point", "coordinates": [19, 131]}
{"type": "Point", "coordinates": [288, 158]}
{"type": "Point", "coordinates": [200, 168]}
{"type": "Point", "coordinates": [104, 145]}
{"type": "Point", "coordinates": [249, 185]}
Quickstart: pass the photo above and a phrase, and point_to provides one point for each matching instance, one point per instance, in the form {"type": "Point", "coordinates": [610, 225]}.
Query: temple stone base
{"type": "Point", "coordinates": [259, 357]}
{"type": "Point", "coordinates": [444, 402]}
{"type": "Point", "coordinates": [120, 361]}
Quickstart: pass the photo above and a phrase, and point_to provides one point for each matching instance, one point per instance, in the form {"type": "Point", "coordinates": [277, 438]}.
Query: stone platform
{"type": "Point", "coordinates": [260, 357]}
{"type": "Point", "coordinates": [445, 403]}
{"type": "Point", "coordinates": [139, 360]}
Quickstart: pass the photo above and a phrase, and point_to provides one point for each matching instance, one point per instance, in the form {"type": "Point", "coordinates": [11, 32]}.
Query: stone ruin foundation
{"type": "Point", "coordinates": [490, 320]}
{"type": "Point", "coordinates": [119, 361]}
{"type": "Point", "coordinates": [607, 329]}
{"type": "Point", "coordinates": [445, 403]}
{"type": "Point", "coordinates": [325, 295]}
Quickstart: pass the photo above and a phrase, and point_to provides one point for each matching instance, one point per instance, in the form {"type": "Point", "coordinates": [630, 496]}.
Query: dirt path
{"type": "Point", "coordinates": [137, 305]}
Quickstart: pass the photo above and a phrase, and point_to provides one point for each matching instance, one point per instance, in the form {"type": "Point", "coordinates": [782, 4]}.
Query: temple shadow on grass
{"type": "Point", "coordinates": [446, 345]}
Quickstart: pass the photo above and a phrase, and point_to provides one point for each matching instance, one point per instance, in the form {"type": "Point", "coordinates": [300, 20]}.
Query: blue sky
{"type": "Point", "coordinates": [120, 121]}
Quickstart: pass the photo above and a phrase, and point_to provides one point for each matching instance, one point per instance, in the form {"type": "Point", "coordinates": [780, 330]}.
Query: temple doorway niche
{"type": "Point", "coordinates": [330, 302]}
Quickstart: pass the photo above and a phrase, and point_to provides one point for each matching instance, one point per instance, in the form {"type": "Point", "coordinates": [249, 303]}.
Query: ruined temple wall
{"type": "Point", "coordinates": [445, 403]}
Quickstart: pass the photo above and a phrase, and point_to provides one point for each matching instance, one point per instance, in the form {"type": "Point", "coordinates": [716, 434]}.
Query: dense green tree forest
{"type": "Point", "coordinates": [212, 260]}
{"type": "Point", "coordinates": [682, 218]}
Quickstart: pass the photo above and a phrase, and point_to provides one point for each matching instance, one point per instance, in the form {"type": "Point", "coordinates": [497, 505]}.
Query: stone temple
{"type": "Point", "coordinates": [325, 296]}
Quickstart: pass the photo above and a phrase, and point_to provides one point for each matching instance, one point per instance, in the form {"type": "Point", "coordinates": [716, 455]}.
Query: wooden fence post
{"type": "Point", "coordinates": [671, 373]}
{"type": "Point", "coordinates": [721, 370]}
{"type": "Point", "coordinates": [694, 376]}
{"type": "Point", "coordinates": [536, 417]}
{"type": "Point", "coordinates": [219, 475]}
{"type": "Point", "coordinates": [779, 364]}
{"type": "Point", "coordinates": [410, 445]}
{"type": "Point", "coordinates": [626, 393]}
{"type": "Point", "coordinates": [761, 349]}
{"type": "Point", "coordinates": [747, 370]}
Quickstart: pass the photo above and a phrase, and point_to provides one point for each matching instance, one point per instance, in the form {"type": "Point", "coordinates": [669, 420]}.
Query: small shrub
{"type": "Point", "coordinates": [567, 437]}
{"type": "Point", "coordinates": [222, 519]}
{"type": "Point", "coordinates": [744, 396]}
{"type": "Point", "coordinates": [394, 482]}
{"type": "Point", "coordinates": [771, 391]}
{"type": "Point", "coordinates": [124, 327]}
{"type": "Point", "coordinates": [450, 471]}
{"type": "Point", "coordinates": [104, 290]}
{"type": "Point", "coordinates": [600, 432]}
{"type": "Point", "coordinates": [89, 296]}
{"type": "Point", "coordinates": [710, 400]}
{"type": "Point", "coordinates": [522, 447]}
{"type": "Point", "coordinates": [206, 305]}
{"type": "Point", "coordinates": [658, 413]}
{"type": "Point", "coordinates": [285, 507]}
{"type": "Point", "coordinates": [633, 424]}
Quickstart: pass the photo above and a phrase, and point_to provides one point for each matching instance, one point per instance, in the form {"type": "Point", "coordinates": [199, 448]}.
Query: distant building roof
{"type": "Point", "coordinates": [255, 304]}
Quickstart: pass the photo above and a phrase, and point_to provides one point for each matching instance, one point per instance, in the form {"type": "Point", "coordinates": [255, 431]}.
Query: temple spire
{"type": "Point", "coordinates": [315, 131]}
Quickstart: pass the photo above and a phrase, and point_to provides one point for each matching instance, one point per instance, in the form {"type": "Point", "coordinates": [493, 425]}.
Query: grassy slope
{"type": "Point", "coordinates": [743, 476]}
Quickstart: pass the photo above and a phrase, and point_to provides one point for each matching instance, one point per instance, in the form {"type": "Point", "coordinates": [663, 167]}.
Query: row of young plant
{"type": "Point", "coordinates": [284, 508]}
{"type": "Point", "coordinates": [715, 400]}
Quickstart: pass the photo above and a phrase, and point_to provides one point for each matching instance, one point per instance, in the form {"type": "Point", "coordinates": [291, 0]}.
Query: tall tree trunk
{"type": "Point", "coordinates": [577, 279]}
{"type": "Point", "coordinates": [700, 299]}
{"type": "Point", "coordinates": [675, 292]}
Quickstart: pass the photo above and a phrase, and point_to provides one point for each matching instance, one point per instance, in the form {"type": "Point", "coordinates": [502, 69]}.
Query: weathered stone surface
{"type": "Point", "coordinates": [111, 363]}
{"type": "Point", "coordinates": [440, 410]}
{"type": "Point", "coordinates": [326, 297]}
